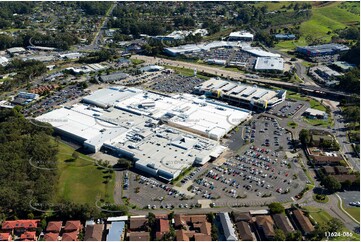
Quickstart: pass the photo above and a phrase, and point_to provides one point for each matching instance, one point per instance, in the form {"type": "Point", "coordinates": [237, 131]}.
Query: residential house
{"type": "Point", "coordinates": [265, 225]}
{"type": "Point", "coordinates": [283, 223]}
{"type": "Point", "coordinates": [139, 236]}
{"type": "Point", "coordinates": [94, 232]}
{"type": "Point", "coordinates": [341, 170]}
{"type": "Point", "coordinates": [116, 230]}
{"type": "Point", "coordinates": [343, 178]}
{"type": "Point", "coordinates": [54, 226]}
{"type": "Point", "coordinates": [5, 237]}
{"type": "Point", "coordinates": [241, 216]}
{"type": "Point", "coordinates": [303, 222]}
{"type": "Point", "coordinates": [138, 223]}
{"type": "Point", "coordinates": [70, 236]}
{"type": "Point", "coordinates": [73, 226]}
{"type": "Point", "coordinates": [51, 236]}
{"type": "Point", "coordinates": [326, 160]}
{"type": "Point", "coordinates": [192, 227]}
{"type": "Point", "coordinates": [162, 228]}
{"type": "Point", "coordinates": [329, 170]}
{"type": "Point", "coordinates": [19, 226]}
{"type": "Point", "coordinates": [244, 231]}
{"type": "Point", "coordinates": [28, 235]}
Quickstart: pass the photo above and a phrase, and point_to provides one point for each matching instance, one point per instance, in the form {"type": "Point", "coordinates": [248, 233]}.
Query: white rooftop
{"type": "Point", "coordinates": [241, 34]}
{"type": "Point", "coordinates": [259, 52]}
{"type": "Point", "coordinates": [269, 63]}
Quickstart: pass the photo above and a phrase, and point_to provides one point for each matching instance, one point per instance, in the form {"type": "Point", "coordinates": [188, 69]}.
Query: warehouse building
{"type": "Point", "coordinates": [321, 50]}
{"type": "Point", "coordinates": [240, 36]}
{"type": "Point", "coordinates": [269, 64]}
{"type": "Point", "coordinates": [115, 76]}
{"type": "Point", "coordinates": [315, 114]}
{"type": "Point", "coordinates": [15, 50]}
{"type": "Point", "coordinates": [239, 94]}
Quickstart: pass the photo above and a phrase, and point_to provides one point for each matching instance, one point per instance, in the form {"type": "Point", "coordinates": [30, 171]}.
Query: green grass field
{"type": "Point", "coordinates": [81, 181]}
{"type": "Point", "coordinates": [324, 19]}
{"type": "Point", "coordinates": [354, 212]}
{"type": "Point", "coordinates": [320, 216]}
{"type": "Point", "coordinates": [319, 122]}
{"type": "Point", "coordinates": [186, 72]}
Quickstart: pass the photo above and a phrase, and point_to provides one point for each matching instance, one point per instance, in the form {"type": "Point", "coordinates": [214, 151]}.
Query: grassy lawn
{"type": "Point", "coordinates": [81, 181]}
{"type": "Point", "coordinates": [317, 105]}
{"type": "Point", "coordinates": [324, 19]}
{"type": "Point", "coordinates": [354, 212]}
{"type": "Point", "coordinates": [271, 6]}
{"type": "Point", "coordinates": [292, 124]}
{"type": "Point", "coordinates": [319, 122]}
{"type": "Point", "coordinates": [186, 72]}
{"type": "Point", "coordinates": [325, 200]}
{"type": "Point", "coordinates": [136, 61]}
{"type": "Point", "coordinates": [320, 216]}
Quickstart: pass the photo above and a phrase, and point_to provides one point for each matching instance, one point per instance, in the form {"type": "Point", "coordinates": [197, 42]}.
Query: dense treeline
{"type": "Point", "coordinates": [60, 40]}
{"type": "Point", "coordinates": [26, 70]}
{"type": "Point", "coordinates": [8, 9]}
{"type": "Point", "coordinates": [23, 144]}
{"type": "Point", "coordinates": [94, 8]}
{"type": "Point", "coordinates": [350, 82]}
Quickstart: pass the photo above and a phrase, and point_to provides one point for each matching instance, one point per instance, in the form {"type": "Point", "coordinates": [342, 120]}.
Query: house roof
{"type": "Point", "coordinates": [181, 235]}
{"type": "Point", "coordinates": [181, 219]}
{"type": "Point", "coordinates": [327, 158]}
{"type": "Point", "coordinates": [139, 236]}
{"type": "Point", "coordinates": [282, 223]}
{"type": "Point", "coordinates": [163, 225]}
{"type": "Point", "coordinates": [266, 223]}
{"type": "Point", "coordinates": [4, 236]}
{"type": "Point", "coordinates": [137, 223]}
{"type": "Point", "coordinates": [343, 178]}
{"type": "Point", "coordinates": [202, 237]}
{"type": "Point", "coordinates": [241, 216]}
{"type": "Point", "coordinates": [94, 232]}
{"type": "Point", "coordinates": [244, 230]}
{"type": "Point", "coordinates": [29, 235]}
{"type": "Point", "coordinates": [15, 224]}
{"type": "Point", "coordinates": [72, 236]}
{"type": "Point", "coordinates": [72, 225]}
{"type": "Point", "coordinates": [54, 226]}
{"type": "Point", "coordinates": [303, 221]}
{"type": "Point", "coordinates": [329, 169]}
{"type": "Point", "coordinates": [341, 169]}
{"type": "Point", "coordinates": [227, 226]}
{"type": "Point", "coordinates": [51, 236]}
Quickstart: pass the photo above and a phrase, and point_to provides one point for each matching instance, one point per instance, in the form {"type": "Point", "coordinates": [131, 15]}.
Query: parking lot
{"type": "Point", "coordinates": [260, 172]}
{"type": "Point", "coordinates": [286, 109]}
{"type": "Point", "coordinates": [173, 83]}
{"type": "Point", "coordinates": [56, 99]}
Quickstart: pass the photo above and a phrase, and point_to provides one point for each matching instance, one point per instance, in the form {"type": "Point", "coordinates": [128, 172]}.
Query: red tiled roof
{"type": "Point", "coordinates": [54, 226]}
{"type": "Point", "coordinates": [139, 236]}
{"type": "Point", "coordinates": [202, 237]}
{"type": "Point", "coordinates": [28, 235]}
{"type": "Point", "coordinates": [51, 236]}
{"type": "Point", "coordinates": [73, 236]}
{"type": "Point", "coordinates": [137, 223]}
{"type": "Point", "coordinates": [303, 221]}
{"type": "Point", "coordinates": [5, 236]}
{"type": "Point", "coordinates": [16, 224]}
{"type": "Point", "coordinates": [73, 225]}
{"type": "Point", "coordinates": [163, 225]}
{"type": "Point", "coordinates": [181, 235]}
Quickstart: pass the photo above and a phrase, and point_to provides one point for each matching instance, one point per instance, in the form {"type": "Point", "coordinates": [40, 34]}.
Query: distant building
{"type": "Point", "coordinates": [227, 225]}
{"type": "Point", "coordinates": [151, 68]}
{"type": "Point", "coordinates": [269, 64]}
{"type": "Point", "coordinates": [240, 36]}
{"type": "Point", "coordinates": [343, 66]}
{"type": "Point", "coordinates": [15, 50]}
{"type": "Point", "coordinates": [321, 50]}
{"type": "Point", "coordinates": [285, 36]}
{"type": "Point", "coordinates": [70, 56]}
{"type": "Point", "coordinates": [24, 98]}
{"type": "Point", "coordinates": [315, 114]}
{"type": "Point", "coordinates": [115, 76]}
{"type": "Point", "coordinates": [41, 48]}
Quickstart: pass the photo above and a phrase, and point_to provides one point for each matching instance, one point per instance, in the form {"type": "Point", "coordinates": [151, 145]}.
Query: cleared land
{"type": "Point", "coordinates": [81, 181]}
{"type": "Point", "coordinates": [325, 18]}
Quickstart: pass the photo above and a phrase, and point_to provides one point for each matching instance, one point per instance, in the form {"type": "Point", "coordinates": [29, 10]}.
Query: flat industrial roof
{"type": "Point", "coordinates": [259, 52]}
{"type": "Point", "coordinates": [269, 63]}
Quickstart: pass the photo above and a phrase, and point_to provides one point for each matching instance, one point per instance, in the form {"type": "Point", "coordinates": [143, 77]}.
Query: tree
{"type": "Point", "coordinates": [331, 183]}
{"type": "Point", "coordinates": [279, 235]}
{"type": "Point", "coordinates": [295, 236]}
{"type": "Point", "coordinates": [305, 136]}
{"type": "Point", "coordinates": [276, 208]}
{"type": "Point", "coordinates": [334, 224]}
{"type": "Point", "coordinates": [151, 220]}
{"type": "Point", "coordinates": [75, 155]}
{"type": "Point", "coordinates": [124, 163]}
